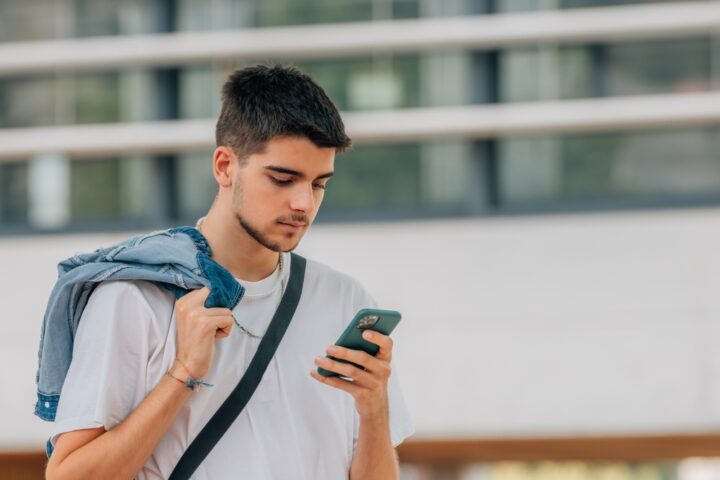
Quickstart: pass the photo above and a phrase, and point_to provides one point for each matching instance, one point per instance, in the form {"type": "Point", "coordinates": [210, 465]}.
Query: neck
{"type": "Point", "coordinates": [233, 248]}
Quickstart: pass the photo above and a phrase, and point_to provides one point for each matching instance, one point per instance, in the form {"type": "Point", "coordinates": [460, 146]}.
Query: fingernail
{"type": "Point", "coordinates": [319, 360]}
{"type": "Point", "coordinates": [331, 349]}
{"type": "Point", "coordinates": [367, 334]}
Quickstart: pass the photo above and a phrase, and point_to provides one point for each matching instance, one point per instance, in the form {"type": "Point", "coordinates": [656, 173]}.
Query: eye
{"type": "Point", "coordinates": [281, 181]}
{"type": "Point", "coordinates": [319, 186]}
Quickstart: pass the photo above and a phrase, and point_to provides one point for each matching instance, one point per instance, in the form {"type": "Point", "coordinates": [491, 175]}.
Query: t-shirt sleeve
{"type": "Point", "coordinates": [107, 375]}
{"type": "Point", "coordinates": [401, 426]}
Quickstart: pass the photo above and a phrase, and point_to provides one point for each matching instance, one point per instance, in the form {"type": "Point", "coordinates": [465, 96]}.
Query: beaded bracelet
{"type": "Point", "coordinates": [190, 383]}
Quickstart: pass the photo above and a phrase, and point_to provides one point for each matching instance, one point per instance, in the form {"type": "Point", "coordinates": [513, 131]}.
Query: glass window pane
{"type": "Point", "coordinates": [27, 102]}
{"type": "Point", "coordinates": [50, 19]}
{"type": "Point", "coordinates": [629, 68]}
{"type": "Point", "coordinates": [196, 185]}
{"type": "Point", "coordinates": [109, 190]}
{"type": "Point", "coordinates": [95, 17]}
{"type": "Point", "coordinates": [97, 98]}
{"type": "Point", "coordinates": [61, 100]}
{"type": "Point", "coordinates": [671, 165]}
{"type": "Point", "coordinates": [35, 20]}
{"type": "Point", "coordinates": [13, 193]}
{"type": "Point", "coordinates": [367, 84]}
{"type": "Point", "coordinates": [375, 177]}
{"type": "Point", "coordinates": [94, 190]}
{"type": "Point", "coordinates": [413, 179]}
{"type": "Point", "coordinates": [644, 67]}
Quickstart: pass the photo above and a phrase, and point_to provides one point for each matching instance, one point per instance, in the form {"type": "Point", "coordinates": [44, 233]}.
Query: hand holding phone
{"type": "Point", "coordinates": [382, 321]}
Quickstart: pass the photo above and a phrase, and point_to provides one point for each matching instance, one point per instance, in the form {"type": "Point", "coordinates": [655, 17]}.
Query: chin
{"type": "Point", "coordinates": [288, 243]}
{"type": "Point", "coordinates": [289, 246]}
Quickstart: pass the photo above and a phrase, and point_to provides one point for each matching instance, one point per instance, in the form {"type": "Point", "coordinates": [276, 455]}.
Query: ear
{"type": "Point", "coordinates": [224, 164]}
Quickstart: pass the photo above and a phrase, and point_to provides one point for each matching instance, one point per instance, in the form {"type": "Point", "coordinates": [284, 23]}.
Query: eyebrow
{"type": "Point", "coordinates": [297, 173]}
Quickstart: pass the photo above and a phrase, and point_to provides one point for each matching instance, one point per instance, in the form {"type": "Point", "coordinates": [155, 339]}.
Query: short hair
{"type": "Point", "coordinates": [262, 102]}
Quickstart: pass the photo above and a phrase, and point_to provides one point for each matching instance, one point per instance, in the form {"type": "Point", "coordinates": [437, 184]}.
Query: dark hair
{"type": "Point", "coordinates": [261, 102]}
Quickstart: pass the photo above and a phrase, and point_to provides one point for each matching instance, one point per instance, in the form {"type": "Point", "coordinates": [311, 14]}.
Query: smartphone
{"type": "Point", "coordinates": [383, 321]}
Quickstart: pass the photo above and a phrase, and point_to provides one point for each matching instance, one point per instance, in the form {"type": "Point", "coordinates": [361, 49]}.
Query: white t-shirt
{"type": "Point", "coordinates": [292, 428]}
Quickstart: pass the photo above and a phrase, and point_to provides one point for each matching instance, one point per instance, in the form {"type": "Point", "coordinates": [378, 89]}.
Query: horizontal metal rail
{"type": "Point", "coordinates": [600, 24]}
{"type": "Point", "coordinates": [617, 449]}
{"type": "Point", "coordinates": [420, 124]}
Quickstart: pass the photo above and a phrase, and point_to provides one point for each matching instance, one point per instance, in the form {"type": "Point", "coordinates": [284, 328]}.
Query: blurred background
{"type": "Point", "coordinates": [535, 185]}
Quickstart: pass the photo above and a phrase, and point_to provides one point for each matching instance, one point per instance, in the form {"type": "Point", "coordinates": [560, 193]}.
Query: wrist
{"type": "Point", "coordinates": [180, 378]}
{"type": "Point", "coordinates": [178, 372]}
{"type": "Point", "coordinates": [187, 367]}
{"type": "Point", "coordinates": [378, 422]}
{"type": "Point", "coordinates": [185, 376]}
{"type": "Point", "coordinates": [376, 411]}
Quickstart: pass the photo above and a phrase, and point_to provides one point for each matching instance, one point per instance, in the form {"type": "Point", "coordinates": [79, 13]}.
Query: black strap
{"type": "Point", "coordinates": [231, 408]}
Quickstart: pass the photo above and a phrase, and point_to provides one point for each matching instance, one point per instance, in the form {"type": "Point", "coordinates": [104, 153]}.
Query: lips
{"type": "Point", "coordinates": [293, 226]}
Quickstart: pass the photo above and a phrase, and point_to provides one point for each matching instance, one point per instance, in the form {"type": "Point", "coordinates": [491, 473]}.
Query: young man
{"type": "Point", "coordinates": [125, 411]}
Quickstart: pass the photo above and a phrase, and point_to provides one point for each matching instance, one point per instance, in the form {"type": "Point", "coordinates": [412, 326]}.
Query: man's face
{"type": "Point", "coordinates": [277, 193]}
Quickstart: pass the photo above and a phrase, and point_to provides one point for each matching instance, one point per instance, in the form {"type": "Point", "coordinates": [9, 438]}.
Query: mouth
{"type": "Point", "coordinates": [293, 226]}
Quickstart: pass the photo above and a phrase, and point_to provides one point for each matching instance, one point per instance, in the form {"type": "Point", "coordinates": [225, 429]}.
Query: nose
{"type": "Point", "coordinates": [303, 199]}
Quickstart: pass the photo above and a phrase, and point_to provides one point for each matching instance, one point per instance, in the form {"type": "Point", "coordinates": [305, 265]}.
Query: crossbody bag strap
{"type": "Point", "coordinates": [234, 404]}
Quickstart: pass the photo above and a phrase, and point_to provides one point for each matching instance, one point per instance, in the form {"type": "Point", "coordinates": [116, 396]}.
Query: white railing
{"type": "Point", "coordinates": [481, 121]}
{"type": "Point", "coordinates": [603, 24]}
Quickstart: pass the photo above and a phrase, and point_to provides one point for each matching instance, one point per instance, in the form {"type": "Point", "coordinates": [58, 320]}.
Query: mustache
{"type": "Point", "coordinates": [294, 218]}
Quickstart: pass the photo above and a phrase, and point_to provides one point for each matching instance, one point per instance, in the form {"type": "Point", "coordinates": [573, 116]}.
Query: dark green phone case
{"type": "Point", "coordinates": [352, 336]}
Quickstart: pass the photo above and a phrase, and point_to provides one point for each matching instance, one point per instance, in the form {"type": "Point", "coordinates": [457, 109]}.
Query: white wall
{"type": "Point", "coordinates": [514, 326]}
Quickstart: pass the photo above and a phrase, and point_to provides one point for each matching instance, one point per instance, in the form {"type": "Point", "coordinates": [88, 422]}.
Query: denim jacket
{"type": "Point", "coordinates": [178, 259]}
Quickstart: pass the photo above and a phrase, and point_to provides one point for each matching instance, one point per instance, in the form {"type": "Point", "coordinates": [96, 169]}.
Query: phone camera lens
{"type": "Point", "coordinates": [368, 321]}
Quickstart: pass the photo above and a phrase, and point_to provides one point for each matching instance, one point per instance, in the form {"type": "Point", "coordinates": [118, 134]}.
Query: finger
{"type": "Point", "coordinates": [359, 377]}
{"type": "Point", "coordinates": [223, 328]}
{"type": "Point", "coordinates": [213, 312]}
{"type": "Point", "coordinates": [383, 341]}
{"type": "Point", "coordinates": [199, 294]}
{"type": "Point", "coordinates": [355, 356]}
{"type": "Point", "coordinates": [336, 382]}
{"type": "Point", "coordinates": [222, 332]}
{"type": "Point", "coordinates": [221, 322]}
{"type": "Point", "coordinates": [192, 299]}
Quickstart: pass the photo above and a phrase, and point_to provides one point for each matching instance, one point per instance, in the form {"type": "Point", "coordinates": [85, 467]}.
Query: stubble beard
{"type": "Point", "coordinates": [258, 236]}
{"type": "Point", "coordinates": [255, 233]}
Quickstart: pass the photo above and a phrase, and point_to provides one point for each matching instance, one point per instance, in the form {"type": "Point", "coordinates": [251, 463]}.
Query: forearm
{"type": "Point", "coordinates": [121, 452]}
{"type": "Point", "coordinates": [375, 457]}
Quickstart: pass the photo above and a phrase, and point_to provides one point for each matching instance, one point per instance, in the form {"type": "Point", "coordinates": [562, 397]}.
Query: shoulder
{"type": "Point", "coordinates": [145, 294]}
{"type": "Point", "coordinates": [321, 273]}
{"type": "Point", "coordinates": [121, 299]}
{"type": "Point", "coordinates": [329, 281]}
